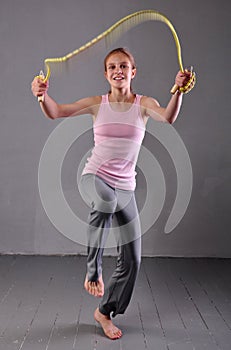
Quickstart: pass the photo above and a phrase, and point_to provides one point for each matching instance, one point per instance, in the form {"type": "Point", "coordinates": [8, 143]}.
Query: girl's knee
{"type": "Point", "coordinates": [104, 206]}
{"type": "Point", "coordinates": [97, 194]}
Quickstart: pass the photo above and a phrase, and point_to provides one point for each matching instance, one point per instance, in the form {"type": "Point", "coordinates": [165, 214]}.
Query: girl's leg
{"type": "Point", "coordinates": [119, 291]}
{"type": "Point", "coordinates": [102, 200]}
{"type": "Point", "coordinates": [97, 233]}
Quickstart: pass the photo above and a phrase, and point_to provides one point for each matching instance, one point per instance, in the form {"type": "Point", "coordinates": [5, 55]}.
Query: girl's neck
{"type": "Point", "coordinates": [121, 96]}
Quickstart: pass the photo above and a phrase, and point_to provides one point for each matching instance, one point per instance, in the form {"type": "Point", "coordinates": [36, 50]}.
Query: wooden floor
{"type": "Point", "coordinates": [178, 304]}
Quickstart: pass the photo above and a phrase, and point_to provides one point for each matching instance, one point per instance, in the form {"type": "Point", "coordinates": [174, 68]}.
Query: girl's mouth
{"type": "Point", "coordinates": [118, 77]}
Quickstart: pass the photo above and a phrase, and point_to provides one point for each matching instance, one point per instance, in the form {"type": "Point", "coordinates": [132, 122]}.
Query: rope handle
{"type": "Point", "coordinates": [187, 87]}
{"type": "Point", "coordinates": [41, 76]}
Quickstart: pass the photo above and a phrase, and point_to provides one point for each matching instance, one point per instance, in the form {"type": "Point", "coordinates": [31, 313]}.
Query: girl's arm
{"type": "Point", "coordinates": [53, 110]}
{"type": "Point", "coordinates": [169, 113]}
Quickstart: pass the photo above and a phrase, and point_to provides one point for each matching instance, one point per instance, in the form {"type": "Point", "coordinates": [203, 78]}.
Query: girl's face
{"type": "Point", "coordinates": [119, 71]}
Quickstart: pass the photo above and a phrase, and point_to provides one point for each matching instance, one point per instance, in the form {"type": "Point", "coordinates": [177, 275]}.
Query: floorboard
{"type": "Point", "coordinates": [178, 304]}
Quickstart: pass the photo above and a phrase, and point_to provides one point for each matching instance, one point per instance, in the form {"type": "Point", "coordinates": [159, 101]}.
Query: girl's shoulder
{"type": "Point", "coordinates": [147, 102]}
{"type": "Point", "coordinates": [93, 100]}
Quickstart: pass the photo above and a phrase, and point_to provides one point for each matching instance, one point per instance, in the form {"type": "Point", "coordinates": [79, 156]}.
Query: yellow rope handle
{"type": "Point", "coordinates": [41, 76]}
{"type": "Point", "coordinates": [127, 22]}
{"type": "Point", "coordinates": [188, 86]}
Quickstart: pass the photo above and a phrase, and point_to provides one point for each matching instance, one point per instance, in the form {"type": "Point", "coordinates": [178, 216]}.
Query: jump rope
{"type": "Point", "coordinates": [113, 33]}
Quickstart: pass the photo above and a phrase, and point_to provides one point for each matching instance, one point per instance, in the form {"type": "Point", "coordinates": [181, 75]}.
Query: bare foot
{"type": "Point", "coordinates": [94, 288]}
{"type": "Point", "coordinates": [110, 330]}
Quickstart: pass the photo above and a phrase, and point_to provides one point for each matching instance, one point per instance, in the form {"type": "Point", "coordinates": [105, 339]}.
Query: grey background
{"type": "Point", "coordinates": [33, 30]}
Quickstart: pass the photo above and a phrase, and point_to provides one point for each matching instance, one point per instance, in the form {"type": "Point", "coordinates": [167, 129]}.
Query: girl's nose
{"type": "Point", "coordinates": [118, 70]}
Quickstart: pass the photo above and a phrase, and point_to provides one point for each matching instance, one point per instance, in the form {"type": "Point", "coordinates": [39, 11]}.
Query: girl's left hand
{"type": "Point", "coordinates": [182, 78]}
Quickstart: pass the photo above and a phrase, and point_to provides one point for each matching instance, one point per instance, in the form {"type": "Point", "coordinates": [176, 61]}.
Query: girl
{"type": "Point", "coordinates": [108, 179]}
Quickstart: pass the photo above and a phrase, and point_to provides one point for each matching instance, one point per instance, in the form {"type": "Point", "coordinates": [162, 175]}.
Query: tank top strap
{"type": "Point", "coordinates": [104, 99]}
{"type": "Point", "coordinates": [138, 98]}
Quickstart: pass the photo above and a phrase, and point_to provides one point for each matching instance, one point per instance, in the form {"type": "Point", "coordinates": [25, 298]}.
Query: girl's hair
{"type": "Point", "coordinates": [120, 50]}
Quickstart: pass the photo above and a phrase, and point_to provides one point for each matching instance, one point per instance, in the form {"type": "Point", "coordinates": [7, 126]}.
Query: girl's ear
{"type": "Point", "coordinates": [133, 73]}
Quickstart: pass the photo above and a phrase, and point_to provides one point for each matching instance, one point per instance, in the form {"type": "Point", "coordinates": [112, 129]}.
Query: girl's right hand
{"type": "Point", "coordinates": [39, 87]}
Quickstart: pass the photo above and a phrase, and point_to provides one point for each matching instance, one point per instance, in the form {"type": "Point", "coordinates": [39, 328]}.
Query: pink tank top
{"type": "Point", "coordinates": [117, 137]}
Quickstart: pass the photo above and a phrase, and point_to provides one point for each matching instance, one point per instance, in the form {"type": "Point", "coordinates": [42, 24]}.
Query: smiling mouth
{"type": "Point", "coordinates": [118, 78]}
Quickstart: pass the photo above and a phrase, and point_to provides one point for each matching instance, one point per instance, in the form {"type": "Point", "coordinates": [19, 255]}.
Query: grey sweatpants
{"type": "Point", "coordinates": [106, 202]}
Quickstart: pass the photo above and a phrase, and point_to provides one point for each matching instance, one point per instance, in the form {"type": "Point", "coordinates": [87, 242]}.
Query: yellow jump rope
{"type": "Point", "coordinates": [113, 33]}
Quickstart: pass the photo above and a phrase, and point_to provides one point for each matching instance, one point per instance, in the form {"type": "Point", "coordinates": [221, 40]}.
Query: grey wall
{"type": "Point", "coordinates": [32, 30]}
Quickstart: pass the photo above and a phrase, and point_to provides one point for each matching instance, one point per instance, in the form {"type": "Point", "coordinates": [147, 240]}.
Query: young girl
{"type": "Point", "coordinates": [108, 179]}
